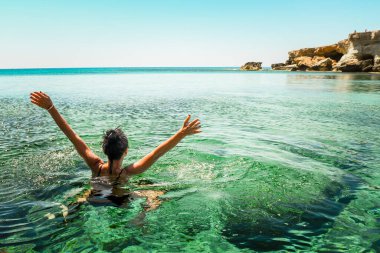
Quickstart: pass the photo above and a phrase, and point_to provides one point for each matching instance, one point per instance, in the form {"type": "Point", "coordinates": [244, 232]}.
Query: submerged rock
{"type": "Point", "coordinates": [253, 66]}
{"type": "Point", "coordinates": [359, 53]}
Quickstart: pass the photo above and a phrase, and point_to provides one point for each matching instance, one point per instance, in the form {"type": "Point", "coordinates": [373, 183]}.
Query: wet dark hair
{"type": "Point", "coordinates": [115, 143]}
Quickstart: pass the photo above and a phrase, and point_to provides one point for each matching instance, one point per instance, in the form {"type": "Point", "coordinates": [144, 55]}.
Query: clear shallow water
{"type": "Point", "coordinates": [286, 161]}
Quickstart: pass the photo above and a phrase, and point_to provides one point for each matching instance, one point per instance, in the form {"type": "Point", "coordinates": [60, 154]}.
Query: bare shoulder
{"type": "Point", "coordinates": [97, 166]}
{"type": "Point", "coordinates": [129, 170]}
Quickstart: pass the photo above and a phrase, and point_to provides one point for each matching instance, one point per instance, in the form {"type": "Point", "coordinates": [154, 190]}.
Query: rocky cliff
{"type": "Point", "coordinates": [359, 53]}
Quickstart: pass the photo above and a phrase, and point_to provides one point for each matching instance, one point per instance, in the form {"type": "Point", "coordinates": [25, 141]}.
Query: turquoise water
{"type": "Point", "coordinates": [286, 161]}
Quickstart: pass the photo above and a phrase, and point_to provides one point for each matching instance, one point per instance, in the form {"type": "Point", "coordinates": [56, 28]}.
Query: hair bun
{"type": "Point", "coordinates": [111, 135]}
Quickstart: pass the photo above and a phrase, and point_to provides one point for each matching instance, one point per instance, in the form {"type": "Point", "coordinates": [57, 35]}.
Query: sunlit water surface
{"type": "Point", "coordinates": [286, 161]}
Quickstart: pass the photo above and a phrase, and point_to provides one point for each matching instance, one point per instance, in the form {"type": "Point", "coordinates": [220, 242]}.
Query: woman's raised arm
{"type": "Point", "coordinates": [147, 161]}
{"type": "Point", "coordinates": [43, 100]}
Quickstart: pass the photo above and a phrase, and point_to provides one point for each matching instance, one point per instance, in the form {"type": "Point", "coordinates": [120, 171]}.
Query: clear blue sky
{"type": "Point", "coordinates": [78, 33]}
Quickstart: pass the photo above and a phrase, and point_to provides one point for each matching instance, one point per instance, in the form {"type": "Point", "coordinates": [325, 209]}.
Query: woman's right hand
{"type": "Point", "coordinates": [191, 128]}
{"type": "Point", "coordinates": [41, 99]}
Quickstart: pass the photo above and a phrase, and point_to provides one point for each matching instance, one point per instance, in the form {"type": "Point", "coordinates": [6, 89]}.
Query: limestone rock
{"type": "Point", "coordinates": [355, 65]}
{"type": "Point", "coordinates": [376, 63]}
{"type": "Point", "coordinates": [367, 65]}
{"type": "Point", "coordinates": [301, 52]}
{"type": "Point", "coordinates": [315, 58]}
{"type": "Point", "coordinates": [291, 67]}
{"type": "Point", "coordinates": [318, 59]}
{"type": "Point", "coordinates": [303, 62]}
{"type": "Point", "coordinates": [359, 53]}
{"type": "Point", "coordinates": [334, 51]}
{"type": "Point", "coordinates": [252, 66]}
{"type": "Point", "coordinates": [282, 66]}
{"type": "Point", "coordinates": [351, 64]}
{"type": "Point", "coordinates": [316, 63]}
{"type": "Point", "coordinates": [343, 46]}
{"type": "Point", "coordinates": [363, 53]}
{"type": "Point", "coordinates": [323, 65]}
{"type": "Point", "coordinates": [277, 66]}
{"type": "Point", "coordinates": [323, 51]}
{"type": "Point", "coordinates": [330, 51]}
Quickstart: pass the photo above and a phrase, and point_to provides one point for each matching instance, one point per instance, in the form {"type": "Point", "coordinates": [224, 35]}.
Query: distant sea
{"type": "Point", "coordinates": [287, 161]}
{"type": "Point", "coordinates": [113, 70]}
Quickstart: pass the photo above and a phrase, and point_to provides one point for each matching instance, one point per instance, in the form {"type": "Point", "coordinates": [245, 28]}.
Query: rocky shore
{"type": "Point", "coordinates": [359, 53]}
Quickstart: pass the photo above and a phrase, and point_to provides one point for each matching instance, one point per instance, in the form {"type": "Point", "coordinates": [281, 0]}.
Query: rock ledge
{"type": "Point", "coordinates": [359, 53]}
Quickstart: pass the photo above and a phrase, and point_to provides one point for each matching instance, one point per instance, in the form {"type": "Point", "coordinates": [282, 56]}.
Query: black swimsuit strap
{"type": "Point", "coordinates": [119, 174]}
{"type": "Point", "coordinates": [100, 170]}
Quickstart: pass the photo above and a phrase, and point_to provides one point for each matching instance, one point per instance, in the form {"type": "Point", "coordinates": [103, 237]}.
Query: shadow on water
{"type": "Point", "coordinates": [295, 230]}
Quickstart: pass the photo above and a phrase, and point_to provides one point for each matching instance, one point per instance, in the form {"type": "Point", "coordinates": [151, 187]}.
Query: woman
{"type": "Point", "coordinates": [115, 146]}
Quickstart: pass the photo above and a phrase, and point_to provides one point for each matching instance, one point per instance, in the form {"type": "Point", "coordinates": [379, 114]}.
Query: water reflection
{"type": "Point", "coordinates": [335, 76]}
{"type": "Point", "coordinates": [340, 82]}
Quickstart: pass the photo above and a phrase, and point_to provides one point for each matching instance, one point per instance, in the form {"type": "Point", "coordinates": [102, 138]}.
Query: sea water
{"type": "Point", "coordinates": [286, 161]}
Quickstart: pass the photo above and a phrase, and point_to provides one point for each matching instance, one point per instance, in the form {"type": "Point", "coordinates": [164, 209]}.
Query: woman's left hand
{"type": "Point", "coordinates": [41, 99]}
{"type": "Point", "coordinates": [191, 128]}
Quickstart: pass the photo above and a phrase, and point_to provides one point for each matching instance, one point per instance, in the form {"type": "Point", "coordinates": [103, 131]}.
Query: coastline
{"type": "Point", "coordinates": [360, 52]}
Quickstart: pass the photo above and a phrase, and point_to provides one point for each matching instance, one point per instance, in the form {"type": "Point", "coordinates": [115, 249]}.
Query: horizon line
{"type": "Point", "coordinates": [121, 67]}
